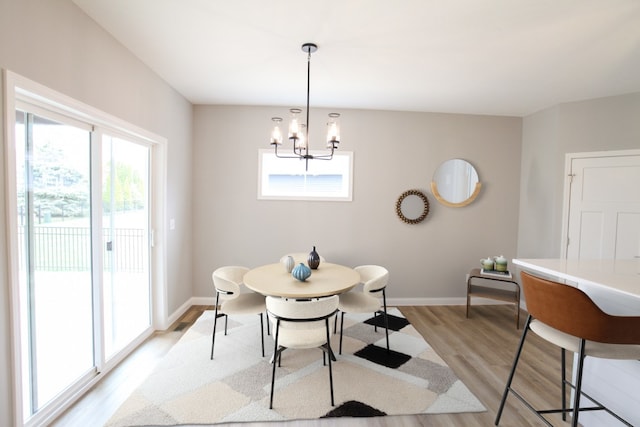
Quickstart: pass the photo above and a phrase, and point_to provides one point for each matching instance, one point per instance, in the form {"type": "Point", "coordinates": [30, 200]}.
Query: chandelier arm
{"type": "Point", "coordinates": [280, 156]}
{"type": "Point", "coordinates": [324, 157]}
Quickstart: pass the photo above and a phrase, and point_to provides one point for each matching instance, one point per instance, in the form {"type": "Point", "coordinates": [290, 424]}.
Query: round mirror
{"type": "Point", "coordinates": [412, 206]}
{"type": "Point", "coordinates": [455, 183]}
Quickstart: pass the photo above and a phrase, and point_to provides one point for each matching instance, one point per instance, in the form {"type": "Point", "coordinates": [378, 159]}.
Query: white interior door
{"type": "Point", "coordinates": [603, 222]}
{"type": "Point", "coordinates": [604, 208]}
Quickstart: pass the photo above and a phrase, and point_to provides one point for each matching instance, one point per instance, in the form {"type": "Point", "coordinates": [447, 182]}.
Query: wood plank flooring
{"type": "Point", "coordinates": [480, 351]}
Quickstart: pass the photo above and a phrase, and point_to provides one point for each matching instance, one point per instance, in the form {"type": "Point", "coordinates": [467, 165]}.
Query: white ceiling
{"type": "Point", "coordinates": [502, 57]}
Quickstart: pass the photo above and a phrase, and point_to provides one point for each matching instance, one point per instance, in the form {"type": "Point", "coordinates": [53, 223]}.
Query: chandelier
{"type": "Point", "coordinates": [299, 132]}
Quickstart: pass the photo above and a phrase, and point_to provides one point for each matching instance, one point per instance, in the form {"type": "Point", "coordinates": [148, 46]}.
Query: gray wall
{"type": "Point", "coordinates": [604, 124]}
{"type": "Point", "coordinates": [393, 152]}
{"type": "Point", "coordinates": [53, 43]}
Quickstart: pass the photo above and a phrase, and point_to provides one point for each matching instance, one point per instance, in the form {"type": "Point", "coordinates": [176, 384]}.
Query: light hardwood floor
{"type": "Point", "coordinates": [480, 351]}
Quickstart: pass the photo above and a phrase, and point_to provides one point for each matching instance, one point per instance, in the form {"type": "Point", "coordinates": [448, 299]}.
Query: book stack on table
{"type": "Point", "coordinates": [496, 273]}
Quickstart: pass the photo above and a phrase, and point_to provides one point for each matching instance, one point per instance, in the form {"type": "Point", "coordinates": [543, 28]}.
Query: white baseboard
{"type": "Point", "coordinates": [178, 313]}
{"type": "Point", "coordinates": [399, 302]}
{"type": "Point", "coordinates": [396, 302]}
{"type": "Point", "coordinates": [392, 302]}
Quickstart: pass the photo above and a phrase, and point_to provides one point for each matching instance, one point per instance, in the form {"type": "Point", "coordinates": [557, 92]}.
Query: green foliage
{"type": "Point", "coordinates": [128, 189]}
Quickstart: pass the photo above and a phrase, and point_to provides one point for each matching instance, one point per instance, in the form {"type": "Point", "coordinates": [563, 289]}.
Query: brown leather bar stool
{"type": "Point", "coordinates": [567, 317]}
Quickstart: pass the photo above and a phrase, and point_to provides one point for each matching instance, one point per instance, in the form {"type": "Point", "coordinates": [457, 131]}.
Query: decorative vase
{"type": "Point", "coordinates": [487, 264]}
{"type": "Point", "coordinates": [301, 272]}
{"type": "Point", "coordinates": [288, 263]}
{"type": "Point", "coordinates": [501, 263]}
{"type": "Point", "coordinates": [314, 259]}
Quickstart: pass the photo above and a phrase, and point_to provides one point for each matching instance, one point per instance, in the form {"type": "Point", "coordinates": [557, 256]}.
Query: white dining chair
{"type": "Point", "coordinates": [301, 324]}
{"type": "Point", "coordinates": [227, 282]}
{"type": "Point", "coordinates": [374, 279]}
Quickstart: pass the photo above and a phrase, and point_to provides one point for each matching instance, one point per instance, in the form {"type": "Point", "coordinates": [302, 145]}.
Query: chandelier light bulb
{"type": "Point", "coordinates": [276, 133]}
{"type": "Point", "coordinates": [301, 140]}
{"type": "Point", "coordinates": [294, 126]}
{"type": "Point", "coordinates": [333, 130]}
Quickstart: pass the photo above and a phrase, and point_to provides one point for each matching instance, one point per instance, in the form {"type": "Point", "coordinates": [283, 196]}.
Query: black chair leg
{"type": "Point", "coordinates": [341, 327]}
{"type": "Point", "coordinates": [386, 318]}
{"type": "Point", "coordinates": [563, 360]}
{"type": "Point", "coordinates": [507, 387]}
{"type": "Point", "coordinates": [275, 356]}
{"type": "Point", "coordinates": [267, 317]}
{"type": "Point", "coordinates": [215, 321]}
{"type": "Point", "coordinates": [262, 333]}
{"type": "Point", "coordinates": [375, 322]}
{"type": "Point", "coordinates": [578, 390]}
{"type": "Point", "coordinates": [329, 352]}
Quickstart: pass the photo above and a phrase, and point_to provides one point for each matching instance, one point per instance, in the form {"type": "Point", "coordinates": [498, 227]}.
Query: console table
{"type": "Point", "coordinates": [509, 294]}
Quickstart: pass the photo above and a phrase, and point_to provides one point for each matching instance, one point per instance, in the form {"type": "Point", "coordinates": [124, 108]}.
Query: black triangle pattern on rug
{"type": "Point", "coordinates": [389, 358]}
{"type": "Point", "coordinates": [354, 408]}
{"type": "Point", "coordinates": [395, 323]}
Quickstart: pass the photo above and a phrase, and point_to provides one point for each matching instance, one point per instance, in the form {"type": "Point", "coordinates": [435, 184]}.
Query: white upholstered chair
{"type": "Point", "coordinates": [227, 282]}
{"type": "Point", "coordinates": [565, 316]}
{"type": "Point", "coordinates": [301, 324]}
{"type": "Point", "coordinates": [374, 279]}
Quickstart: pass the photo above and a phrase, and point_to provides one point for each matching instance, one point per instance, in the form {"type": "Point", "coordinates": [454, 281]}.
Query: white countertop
{"type": "Point", "coordinates": [619, 275]}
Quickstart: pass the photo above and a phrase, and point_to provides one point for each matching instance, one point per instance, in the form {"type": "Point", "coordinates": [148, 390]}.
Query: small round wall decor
{"type": "Point", "coordinates": [412, 206]}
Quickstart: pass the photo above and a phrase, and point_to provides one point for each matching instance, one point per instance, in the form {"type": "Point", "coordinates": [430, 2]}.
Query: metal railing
{"type": "Point", "coordinates": [69, 248]}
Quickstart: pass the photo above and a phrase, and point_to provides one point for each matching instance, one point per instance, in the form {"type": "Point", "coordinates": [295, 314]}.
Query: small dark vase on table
{"type": "Point", "coordinates": [314, 259]}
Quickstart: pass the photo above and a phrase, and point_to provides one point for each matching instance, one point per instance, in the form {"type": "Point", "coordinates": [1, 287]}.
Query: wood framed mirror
{"type": "Point", "coordinates": [455, 183]}
{"type": "Point", "coordinates": [412, 206]}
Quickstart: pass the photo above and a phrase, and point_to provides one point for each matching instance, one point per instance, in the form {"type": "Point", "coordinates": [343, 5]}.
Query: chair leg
{"type": "Point", "coordinates": [386, 318]}
{"type": "Point", "coordinates": [507, 387]}
{"type": "Point", "coordinates": [329, 352]}
{"type": "Point", "coordinates": [262, 333]}
{"type": "Point", "coordinates": [341, 327]}
{"type": "Point", "coordinates": [578, 390]}
{"type": "Point", "coordinates": [215, 321]}
{"type": "Point", "coordinates": [275, 356]}
{"type": "Point", "coordinates": [267, 317]}
{"type": "Point", "coordinates": [375, 322]}
{"type": "Point", "coordinates": [563, 360]}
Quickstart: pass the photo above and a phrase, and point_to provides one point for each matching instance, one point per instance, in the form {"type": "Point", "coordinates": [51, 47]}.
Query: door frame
{"type": "Point", "coordinates": [17, 87]}
{"type": "Point", "coordinates": [569, 157]}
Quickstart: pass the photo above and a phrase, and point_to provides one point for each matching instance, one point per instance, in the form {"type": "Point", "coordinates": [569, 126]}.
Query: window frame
{"type": "Point", "coordinates": [341, 164]}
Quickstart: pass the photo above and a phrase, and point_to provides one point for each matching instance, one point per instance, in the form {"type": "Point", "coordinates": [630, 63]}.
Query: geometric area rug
{"type": "Point", "coordinates": [187, 388]}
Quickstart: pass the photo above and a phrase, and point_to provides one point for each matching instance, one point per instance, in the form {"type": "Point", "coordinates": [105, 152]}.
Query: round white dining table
{"type": "Point", "coordinates": [328, 279]}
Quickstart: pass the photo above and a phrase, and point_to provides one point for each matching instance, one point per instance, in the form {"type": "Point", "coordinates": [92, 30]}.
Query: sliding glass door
{"type": "Point", "coordinates": [125, 204]}
{"type": "Point", "coordinates": [54, 192]}
{"type": "Point", "coordinates": [84, 282]}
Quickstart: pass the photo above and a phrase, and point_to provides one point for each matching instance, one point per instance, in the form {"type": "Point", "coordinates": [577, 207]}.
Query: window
{"type": "Point", "coordinates": [286, 179]}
